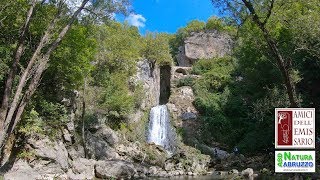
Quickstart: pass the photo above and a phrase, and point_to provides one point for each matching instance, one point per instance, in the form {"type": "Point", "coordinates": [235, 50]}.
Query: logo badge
{"type": "Point", "coordinates": [284, 128]}
{"type": "Point", "coordinates": [295, 128]}
{"type": "Point", "coordinates": [295, 161]}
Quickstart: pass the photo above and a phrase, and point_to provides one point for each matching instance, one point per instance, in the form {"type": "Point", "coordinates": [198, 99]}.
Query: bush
{"type": "Point", "coordinates": [156, 49]}
{"type": "Point", "coordinates": [187, 81]}
{"type": "Point", "coordinates": [47, 119]}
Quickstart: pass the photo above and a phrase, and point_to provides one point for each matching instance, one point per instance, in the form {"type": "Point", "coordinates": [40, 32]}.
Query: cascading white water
{"type": "Point", "coordinates": [160, 130]}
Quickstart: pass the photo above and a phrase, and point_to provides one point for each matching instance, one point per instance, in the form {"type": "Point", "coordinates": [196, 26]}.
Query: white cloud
{"type": "Point", "coordinates": [136, 20]}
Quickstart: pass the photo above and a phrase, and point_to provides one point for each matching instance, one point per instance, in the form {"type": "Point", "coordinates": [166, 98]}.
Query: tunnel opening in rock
{"type": "Point", "coordinates": [182, 71]}
{"type": "Point", "coordinates": [165, 76]}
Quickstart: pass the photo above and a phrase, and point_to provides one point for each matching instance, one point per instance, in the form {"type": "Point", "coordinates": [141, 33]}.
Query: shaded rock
{"type": "Point", "coordinates": [149, 76]}
{"type": "Point", "coordinates": [233, 171]}
{"type": "Point", "coordinates": [70, 124]}
{"type": "Point", "coordinates": [21, 170]}
{"type": "Point", "coordinates": [100, 144]}
{"type": "Point", "coordinates": [247, 172]}
{"type": "Point", "coordinates": [169, 166]}
{"type": "Point", "coordinates": [182, 59]}
{"type": "Point", "coordinates": [114, 169]}
{"type": "Point", "coordinates": [188, 116]}
{"type": "Point", "coordinates": [76, 152]}
{"type": "Point", "coordinates": [153, 170]}
{"type": "Point", "coordinates": [108, 135]}
{"type": "Point", "coordinates": [66, 135]}
{"type": "Point", "coordinates": [47, 149]}
{"type": "Point", "coordinates": [82, 169]}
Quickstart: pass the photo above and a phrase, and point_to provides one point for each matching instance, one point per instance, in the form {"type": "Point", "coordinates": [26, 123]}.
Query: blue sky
{"type": "Point", "coordinates": [167, 15]}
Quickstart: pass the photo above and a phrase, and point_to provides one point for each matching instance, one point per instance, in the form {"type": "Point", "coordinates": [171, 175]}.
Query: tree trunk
{"type": "Point", "coordinates": [9, 120]}
{"type": "Point", "coordinates": [12, 73]}
{"type": "Point", "coordinates": [83, 119]}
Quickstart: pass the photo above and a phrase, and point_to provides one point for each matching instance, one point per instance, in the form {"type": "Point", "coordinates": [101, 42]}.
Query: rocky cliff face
{"type": "Point", "coordinates": [149, 77]}
{"type": "Point", "coordinates": [204, 45]}
{"type": "Point", "coordinates": [106, 153]}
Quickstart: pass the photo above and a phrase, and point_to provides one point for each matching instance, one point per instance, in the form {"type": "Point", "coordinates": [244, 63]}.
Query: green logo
{"type": "Point", "coordinates": [279, 159]}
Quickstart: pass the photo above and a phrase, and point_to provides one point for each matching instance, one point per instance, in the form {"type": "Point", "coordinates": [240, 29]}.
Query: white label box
{"type": "Point", "coordinates": [295, 161]}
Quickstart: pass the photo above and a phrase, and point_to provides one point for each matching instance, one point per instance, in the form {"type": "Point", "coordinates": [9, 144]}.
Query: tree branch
{"type": "Point", "coordinates": [269, 12]}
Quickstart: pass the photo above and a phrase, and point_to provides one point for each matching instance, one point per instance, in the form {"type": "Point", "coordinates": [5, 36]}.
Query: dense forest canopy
{"type": "Point", "coordinates": [43, 60]}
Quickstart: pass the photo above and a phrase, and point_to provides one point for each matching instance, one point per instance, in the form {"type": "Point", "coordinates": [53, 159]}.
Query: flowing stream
{"type": "Point", "coordinates": [160, 130]}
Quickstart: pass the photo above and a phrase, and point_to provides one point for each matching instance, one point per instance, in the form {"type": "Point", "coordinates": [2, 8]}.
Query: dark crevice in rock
{"type": "Point", "coordinates": [182, 71]}
{"type": "Point", "coordinates": [165, 75]}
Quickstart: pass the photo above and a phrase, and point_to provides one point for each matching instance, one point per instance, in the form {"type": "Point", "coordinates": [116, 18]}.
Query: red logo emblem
{"type": "Point", "coordinates": [284, 127]}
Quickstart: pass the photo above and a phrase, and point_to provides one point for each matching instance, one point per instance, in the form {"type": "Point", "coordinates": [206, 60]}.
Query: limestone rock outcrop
{"type": "Point", "coordinates": [148, 75]}
{"type": "Point", "coordinates": [204, 45]}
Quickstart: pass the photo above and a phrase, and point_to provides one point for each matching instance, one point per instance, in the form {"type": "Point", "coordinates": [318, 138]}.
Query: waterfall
{"type": "Point", "coordinates": [160, 130]}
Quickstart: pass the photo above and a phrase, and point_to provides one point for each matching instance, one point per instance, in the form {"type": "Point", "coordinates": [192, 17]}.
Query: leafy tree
{"type": "Point", "coordinates": [260, 12]}
{"type": "Point", "coordinates": [156, 48]}
{"type": "Point", "coordinates": [34, 58]}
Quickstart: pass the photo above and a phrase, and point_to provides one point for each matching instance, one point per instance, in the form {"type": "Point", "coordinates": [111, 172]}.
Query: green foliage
{"type": "Point", "coordinates": [71, 62]}
{"type": "Point", "coordinates": [46, 118]}
{"type": "Point", "coordinates": [242, 101]}
{"type": "Point", "coordinates": [138, 94]}
{"type": "Point", "coordinates": [216, 73]}
{"type": "Point", "coordinates": [136, 131]}
{"type": "Point", "coordinates": [119, 47]}
{"type": "Point", "coordinates": [212, 94]}
{"type": "Point", "coordinates": [156, 48]}
{"type": "Point", "coordinates": [26, 154]}
{"type": "Point", "coordinates": [32, 124]}
{"type": "Point", "coordinates": [116, 99]}
{"type": "Point", "coordinates": [192, 26]}
{"type": "Point", "coordinates": [187, 81]}
{"type": "Point", "coordinates": [221, 25]}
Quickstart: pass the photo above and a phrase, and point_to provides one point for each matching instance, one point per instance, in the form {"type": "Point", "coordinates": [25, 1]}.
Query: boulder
{"type": "Point", "coordinates": [108, 135]}
{"type": "Point", "coordinates": [233, 171]}
{"type": "Point", "coordinates": [188, 116]}
{"type": "Point", "coordinates": [182, 59]}
{"type": "Point", "coordinates": [75, 151]}
{"type": "Point", "coordinates": [204, 45]}
{"type": "Point", "coordinates": [153, 170]}
{"type": "Point", "coordinates": [46, 149]}
{"type": "Point", "coordinates": [247, 172]}
{"type": "Point", "coordinates": [100, 143]}
{"type": "Point", "coordinates": [48, 170]}
{"type": "Point", "coordinates": [82, 169]}
{"type": "Point", "coordinates": [21, 170]}
{"type": "Point", "coordinates": [169, 166]}
{"type": "Point", "coordinates": [114, 169]}
{"type": "Point", "coordinates": [67, 136]}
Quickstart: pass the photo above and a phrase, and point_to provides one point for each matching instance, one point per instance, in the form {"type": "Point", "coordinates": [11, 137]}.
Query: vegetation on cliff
{"type": "Point", "coordinates": [236, 96]}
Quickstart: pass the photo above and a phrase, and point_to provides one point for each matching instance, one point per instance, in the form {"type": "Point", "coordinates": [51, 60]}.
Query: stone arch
{"type": "Point", "coordinates": [180, 70]}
